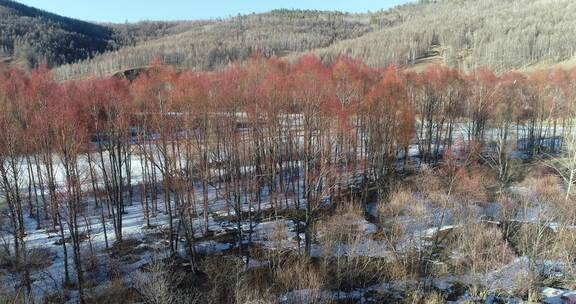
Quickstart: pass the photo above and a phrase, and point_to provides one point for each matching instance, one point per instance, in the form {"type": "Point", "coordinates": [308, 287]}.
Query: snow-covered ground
{"type": "Point", "coordinates": [273, 234]}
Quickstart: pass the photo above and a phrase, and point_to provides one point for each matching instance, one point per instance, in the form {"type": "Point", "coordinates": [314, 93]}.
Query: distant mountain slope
{"type": "Point", "coordinates": [212, 44]}
{"type": "Point", "coordinates": [29, 36]}
{"type": "Point", "coordinates": [501, 34]}
{"type": "Point", "coordinates": [131, 34]}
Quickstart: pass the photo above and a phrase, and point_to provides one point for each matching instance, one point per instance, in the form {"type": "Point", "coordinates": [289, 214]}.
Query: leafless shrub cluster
{"type": "Point", "coordinates": [158, 285]}
{"type": "Point", "coordinates": [479, 248]}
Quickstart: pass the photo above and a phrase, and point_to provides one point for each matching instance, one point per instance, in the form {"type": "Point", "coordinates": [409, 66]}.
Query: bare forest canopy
{"type": "Point", "coordinates": [501, 35]}
{"type": "Point", "coordinates": [264, 131]}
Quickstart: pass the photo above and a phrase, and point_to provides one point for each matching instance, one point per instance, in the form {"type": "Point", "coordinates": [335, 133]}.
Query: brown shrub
{"type": "Point", "coordinates": [114, 292]}
{"type": "Point", "coordinates": [470, 187]}
{"type": "Point", "coordinates": [434, 298]}
{"type": "Point", "coordinates": [543, 188]}
{"type": "Point", "coordinates": [223, 278]}
{"type": "Point", "coordinates": [479, 248]}
{"type": "Point", "coordinates": [418, 296]}
{"type": "Point", "coordinates": [525, 285]}
{"type": "Point", "coordinates": [158, 286]}
{"type": "Point", "coordinates": [533, 240]}
{"type": "Point", "coordinates": [508, 207]}
{"type": "Point", "coordinates": [400, 200]}
{"type": "Point", "coordinates": [342, 227]}
{"type": "Point", "coordinates": [564, 249]}
{"type": "Point", "coordinates": [351, 257]}
{"type": "Point", "coordinates": [564, 209]}
{"type": "Point", "coordinates": [426, 181]}
{"type": "Point", "coordinates": [256, 286]}
{"type": "Point", "coordinates": [300, 274]}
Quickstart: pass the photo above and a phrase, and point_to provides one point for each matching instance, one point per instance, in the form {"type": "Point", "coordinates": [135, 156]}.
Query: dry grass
{"type": "Point", "coordinates": [525, 285]}
{"type": "Point", "coordinates": [542, 185]}
{"type": "Point", "coordinates": [508, 207]}
{"type": "Point", "coordinates": [158, 286]}
{"type": "Point", "coordinates": [428, 184]}
{"type": "Point", "coordinates": [114, 292]}
{"type": "Point", "coordinates": [36, 259]}
{"type": "Point", "coordinates": [470, 187]}
{"type": "Point", "coordinates": [223, 275]}
{"type": "Point", "coordinates": [479, 248]}
{"type": "Point", "coordinates": [406, 201]}
{"type": "Point", "coordinates": [418, 296]}
{"type": "Point", "coordinates": [301, 274]}
{"type": "Point", "coordinates": [343, 225]}
{"type": "Point", "coordinates": [351, 258]}
{"type": "Point", "coordinates": [401, 199]}
{"type": "Point", "coordinates": [564, 209]}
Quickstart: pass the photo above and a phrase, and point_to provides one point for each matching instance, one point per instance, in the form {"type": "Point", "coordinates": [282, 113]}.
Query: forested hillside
{"type": "Point", "coordinates": [502, 35]}
{"type": "Point", "coordinates": [211, 44]}
{"type": "Point", "coordinates": [498, 34]}
{"type": "Point", "coordinates": [29, 36]}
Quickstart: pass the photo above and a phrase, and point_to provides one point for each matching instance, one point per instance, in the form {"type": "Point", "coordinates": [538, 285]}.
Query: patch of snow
{"type": "Point", "coordinates": [558, 296]}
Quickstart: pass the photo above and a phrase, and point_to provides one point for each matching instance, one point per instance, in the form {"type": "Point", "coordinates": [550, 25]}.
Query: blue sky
{"type": "Point", "coordinates": [136, 10]}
